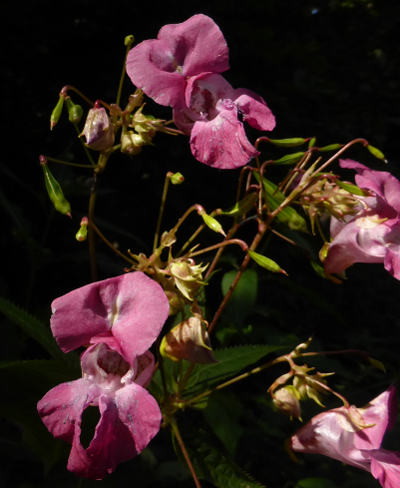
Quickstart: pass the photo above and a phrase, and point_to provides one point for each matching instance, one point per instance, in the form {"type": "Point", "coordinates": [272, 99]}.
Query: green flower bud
{"type": "Point", "coordinates": [54, 190]}
{"type": "Point", "coordinates": [211, 223]}
{"type": "Point", "coordinates": [177, 178]}
{"type": "Point", "coordinates": [75, 112]}
{"type": "Point", "coordinates": [81, 235]}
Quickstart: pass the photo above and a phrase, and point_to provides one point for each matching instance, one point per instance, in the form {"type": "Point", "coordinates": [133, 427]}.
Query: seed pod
{"type": "Point", "coordinates": [56, 113]}
{"type": "Point", "coordinates": [54, 190]}
{"type": "Point", "coordinates": [266, 263]}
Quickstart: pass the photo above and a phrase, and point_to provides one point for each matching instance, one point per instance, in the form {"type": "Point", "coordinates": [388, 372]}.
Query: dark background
{"type": "Point", "coordinates": [326, 68]}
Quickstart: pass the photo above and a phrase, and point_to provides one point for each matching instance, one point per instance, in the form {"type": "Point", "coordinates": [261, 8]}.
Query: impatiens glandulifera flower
{"type": "Point", "coordinates": [210, 114]}
{"type": "Point", "coordinates": [161, 66]}
{"type": "Point", "coordinates": [372, 235]}
{"type": "Point", "coordinates": [354, 436]}
{"type": "Point", "coordinates": [98, 130]}
{"type": "Point", "coordinates": [126, 312]}
{"type": "Point", "coordinates": [129, 416]}
{"type": "Point", "coordinates": [181, 69]}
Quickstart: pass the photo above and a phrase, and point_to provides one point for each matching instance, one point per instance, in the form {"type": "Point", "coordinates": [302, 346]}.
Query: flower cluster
{"type": "Point", "coordinates": [354, 436]}
{"type": "Point", "coordinates": [119, 318]}
{"type": "Point", "coordinates": [372, 235]}
{"type": "Point", "coordinates": [181, 68]}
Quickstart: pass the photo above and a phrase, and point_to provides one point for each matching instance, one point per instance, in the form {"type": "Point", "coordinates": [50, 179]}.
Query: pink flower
{"type": "Point", "coordinates": [209, 113]}
{"type": "Point", "coordinates": [129, 415]}
{"type": "Point", "coordinates": [160, 66]}
{"type": "Point", "coordinates": [181, 69]}
{"type": "Point", "coordinates": [120, 318]}
{"type": "Point", "coordinates": [354, 436]}
{"type": "Point", "coordinates": [373, 234]}
{"type": "Point", "coordinates": [126, 312]}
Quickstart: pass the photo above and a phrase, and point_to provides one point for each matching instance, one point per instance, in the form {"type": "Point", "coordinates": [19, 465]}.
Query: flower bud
{"type": "Point", "coordinates": [286, 399]}
{"type": "Point", "coordinates": [188, 340]}
{"type": "Point", "coordinates": [211, 222]}
{"type": "Point", "coordinates": [98, 130]}
{"type": "Point", "coordinates": [75, 111]}
{"type": "Point", "coordinates": [81, 235]}
{"type": "Point", "coordinates": [177, 178]}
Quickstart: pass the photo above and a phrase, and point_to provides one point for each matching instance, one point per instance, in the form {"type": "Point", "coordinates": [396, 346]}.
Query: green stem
{"type": "Point", "coordinates": [67, 163]}
{"type": "Point", "coordinates": [177, 434]}
{"type": "Point", "coordinates": [236, 379]}
{"type": "Point", "coordinates": [91, 234]}
{"type": "Point", "coordinates": [108, 243]}
{"type": "Point", "coordinates": [162, 206]}
{"type": "Point", "coordinates": [122, 77]}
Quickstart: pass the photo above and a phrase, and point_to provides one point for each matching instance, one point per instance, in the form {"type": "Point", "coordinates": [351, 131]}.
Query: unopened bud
{"type": "Point", "coordinates": [75, 111]}
{"type": "Point", "coordinates": [81, 235]}
{"type": "Point", "coordinates": [98, 130]}
{"type": "Point", "coordinates": [188, 340]}
{"type": "Point", "coordinates": [286, 399]}
{"type": "Point", "coordinates": [177, 178]}
{"type": "Point", "coordinates": [129, 40]}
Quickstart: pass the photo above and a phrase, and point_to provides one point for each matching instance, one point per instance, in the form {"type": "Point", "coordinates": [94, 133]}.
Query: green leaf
{"type": "Point", "coordinates": [291, 158]}
{"type": "Point", "coordinates": [214, 465]}
{"type": "Point", "coordinates": [288, 216]}
{"type": "Point", "coordinates": [25, 383]}
{"type": "Point", "coordinates": [244, 296]}
{"type": "Point", "coordinates": [242, 206]}
{"type": "Point", "coordinates": [32, 326]}
{"type": "Point", "coordinates": [354, 189]}
{"type": "Point", "coordinates": [231, 361]}
{"type": "Point", "coordinates": [316, 483]}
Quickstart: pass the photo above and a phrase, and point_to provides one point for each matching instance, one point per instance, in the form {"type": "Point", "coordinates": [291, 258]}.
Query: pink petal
{"type": "Point", "coordinates": [132, 308]}
{"type": "Point", "coordinates": [382, 183]}
{"type": "Point", "coordinates": [385, 467]}
{"type": "Point", "coordinates": [331, 434]}
{"type": "Point", "coordinates": [254, 109]}
{"type": "Point", "coordinates": [139, 412]}
{"type": "Point", "coordinates": [112, 444]}
{"type": "Point", "coordinates": [345, 250]}
{"type": "Point", "coordinates": [381, 412]}
{"type": "Point", "coordinates": [222, 142]}
{"type": "Point", "coordinates": [159, 66]}
{"type": "Point", "coordinates": [61, 408]}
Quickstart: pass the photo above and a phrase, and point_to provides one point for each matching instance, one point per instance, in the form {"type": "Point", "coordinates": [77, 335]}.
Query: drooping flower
{"type": "Point", "coordinates": [354, 436]}
{"type": "Point", "coordinates": [119, 318]}
{"type": "Point", "coordinates": [372, 235]}
{"type": "Point", "coordinates": [182, 69]}
{"type": "Point", "coordinates": [126, 312]}
{"type": "Point", "coordinates": [210, 114]}
{"type": "Point", "coordinates": [160, 66]}
{"type": "Point", "coordinates": [129, 416]}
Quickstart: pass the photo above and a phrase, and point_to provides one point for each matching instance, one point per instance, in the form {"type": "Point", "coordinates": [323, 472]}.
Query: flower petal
{"type": "Point", "coordinates": [112, 444]}
{"type": "Point", "coordinates": [222, 142]}
{"type": "Point", "coordinates": [61, 408]}
{"type": "Point", "coordinates": [139, 412]}
{"type": "Point", "coordinates": [331, 434]}
{"type": "Point", "coordinates": [381, 413]}
{"type": "Point", "coordinates": [385, 467]}
{"type": "Point", "coordinates": [159, 66]}
{"type": "Point", "coordinates": [132, 308]}
{"type": "Point", "coordinates": [254, 109]}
